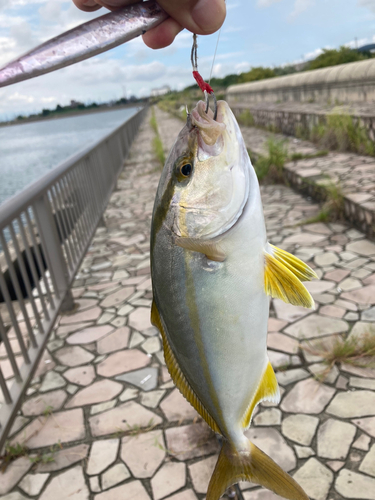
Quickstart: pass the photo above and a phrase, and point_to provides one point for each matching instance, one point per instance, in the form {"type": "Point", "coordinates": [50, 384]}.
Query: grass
{"type": "Point", "coordinates": [301, 156]}
{"type": "Point", "coordinates": [332, 209]}
{"type": "Point", "coordinates": [356, 351]}
{"type": "Point", "coordinates": [156, 142]}
{"type": "Point", "coordinates": [11, 453]}
{"type": "Point", "coordinates": [269, 168]}
{"type": "Point", "coordinates": [246, 118]}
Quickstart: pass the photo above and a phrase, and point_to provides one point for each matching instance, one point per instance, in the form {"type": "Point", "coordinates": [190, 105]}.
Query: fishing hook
{"type": "Point", "coordinates": [207, 98]}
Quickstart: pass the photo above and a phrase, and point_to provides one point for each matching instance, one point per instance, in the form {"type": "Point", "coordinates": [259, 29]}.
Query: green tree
{"type": "Point", "coordinates": [333, 57]}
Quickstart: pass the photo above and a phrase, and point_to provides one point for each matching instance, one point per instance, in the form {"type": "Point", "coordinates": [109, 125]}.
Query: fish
{"type": "Point", "coordinates": [213, 273]}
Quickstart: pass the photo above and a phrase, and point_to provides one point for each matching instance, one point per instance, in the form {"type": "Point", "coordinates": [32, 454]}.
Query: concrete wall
{"type": "Point", "coordinates": [346, 83]}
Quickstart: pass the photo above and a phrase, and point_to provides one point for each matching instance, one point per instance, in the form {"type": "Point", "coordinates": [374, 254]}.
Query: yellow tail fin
{"type": "Point", "coordinates": [255, 466]}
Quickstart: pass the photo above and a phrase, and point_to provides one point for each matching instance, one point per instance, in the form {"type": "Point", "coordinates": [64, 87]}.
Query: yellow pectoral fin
{"type": "Point", "coordinates": [268, 390]}
{"type": "Point", "coordinates": [210, 249]}
{"type": "Point", "coordinates": [282, 275]}
{"type": "Point", "coordinates": [178, 377]}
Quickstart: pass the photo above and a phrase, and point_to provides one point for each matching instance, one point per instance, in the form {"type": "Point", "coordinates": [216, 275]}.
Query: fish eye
{"type": "Point", "coordinates": [186, 169]}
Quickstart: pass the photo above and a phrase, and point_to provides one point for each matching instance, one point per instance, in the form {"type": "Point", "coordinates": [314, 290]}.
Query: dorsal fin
{"type": "Point", "coordinates": [268, 389]}
{"type": "Point", "coordinates": [176, 373]}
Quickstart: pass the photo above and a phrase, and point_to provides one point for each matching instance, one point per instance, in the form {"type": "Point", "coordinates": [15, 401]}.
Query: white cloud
{"type": "Point", "coordinates": [370, 4]}
{"type": "Point", "coordinates": [266, 3]}
{"type": "Point", "coordinates": [299, 7]}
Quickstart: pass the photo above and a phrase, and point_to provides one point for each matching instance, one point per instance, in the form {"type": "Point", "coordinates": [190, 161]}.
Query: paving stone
{"type": "Point", "coordinates": [128, 394]}
{"type": "Point", "coordinates": [82, 375]}
{"type": "Point", "coordinates": [304, 451]}
{"type": "Point", "coordinates": [13, 473]}
{"type": "Point", "coordinates": [300, 428]}
{"type": "Point", "coordinates": [316, 326]}
{"type": "Point", "coordinates": [146, 379]}
{"type": "Point", "coordinates": [151, 345]}
{"type": "Point", "coordinates": [117, 298]}
{"type": "Point", "coordinates": [352, 404]}
{"type": "Point", "coordinates": [78, 317]}
{"type": "Point", "coordinates": [319, 287]}
{"type": "Point", "coordinates": [15, 495]}
{"type": "Point", "coordinates": [98, 392]}
{"type": "Point", "coordinates": [315, 479]}
{"type": "Point", "coordinates": [337, 275]}
{"type": "Point", "coordinates": [304, 239]}
{"type": "Point", "coordinates": [102, 454]}
{"type": "Point", "coordinates": [140, 319]}
{"type": "Point", "coordinates": [275, 325]}
{"type": "Point", "coordinates": [175, 407]}
{"type": "Point", "coordinates": [32, 484]}
{"type": "Point", "coordinates": [125, 417]}
{"type": "Point", "coordinates": [136, 340]}
{"type": "Point", "coordinates": [184, 495]}
{"type": "Point", "coordinates": [324, 373]}
{"type": "Point", "coordinates": [335, 465]}
{"type": "Point", "coordinates": [362, 443]}
{"type": "Point", "coordinates": [332, 311]}
{"type": "Point", "coordinates": [143, 453]}
{"type": "Point", "coordinates": [201, 473]}
{"type": "Point", "coordinates": [366, 424]}
{"type": "Point", "coordinates": [115, 475]}
{"type": "Point", "coordinates": [362, 383]}
{"type": "Point", "coordinates": [268, 417]}
{"type": "Point", "coordinates": [350, 484]}
{"type": "Point", "coordinates": [65, 426]}
{"type": "Point", "coordinates": [99, 408]}
{"type": "Point", "coordinates": [326, 259]}
{"type": "Point", "coordinates": [70, 484]}
{"type": "Point", "coordinates": [39, 404]}
{"type": "Point", "coordinates": [64, 458]}
{"type": "Point", "coordinates": [368, 314]}
{"type": "Point", "coordinates": [368, 464]}
{"type": "Point", "coordinates": [129, 491]}
{"type": "Point", "coordinates": [273, 444]}
{"type": "Point", "coordinates": [116, 341]}
{"type": "Point", "coordinates": [365, 295]}
{"type": "Point", "coordinates": [363, 247]}
{"type": "Point", "coordinates": [278, 359]}
{"type": "Point", "coordinates": [350, 284]}
{"type": "Point", "coordinates": [307, 396]}
{"type": "Point", "coordinates": [94, 484]}
{"type": "Point", "coordinates": [335, 438]}
{"type": "Point", "coordinates": [291, 376]}
{"type": "Point", "coordinates": [260, 495]}
{"type": "Point", "coordinates": [283, 343]}
{"type": "Point", "coordinates": [73, 356]}
{"type": "Point", "coordinates": [52, 380]}
{"type": "Point", "coordinates": [152, 399]}
{"type": "Point", "coordinates": [89, 335]}
{"type": "Point", "coordinates": [122, 362]}
{"type": "Point", "coordinates": [191, 441]}
{"type": "Point", "coordinates": [288, 312]}
{"type": "Point", "coordinates": [170, 478]}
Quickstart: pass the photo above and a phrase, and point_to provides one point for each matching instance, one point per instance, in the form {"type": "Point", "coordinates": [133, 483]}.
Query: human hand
{"type": "Point", "coordinates": [202, 17]}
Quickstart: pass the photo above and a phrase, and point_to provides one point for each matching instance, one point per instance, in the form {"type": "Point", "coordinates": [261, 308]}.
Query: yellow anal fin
{"type": "Point", "coordinates": [301, 270]}
{"type": "Point", "coordinates": [176, 373]}
{"type": "Point", "coordinates": [268, 389]}
{"type": "Point", "coordinates": [255, 466]}
{"type": "Point", "coordinates": [210, 249]}
{"type": "Point", "coordinates": [282, 280]}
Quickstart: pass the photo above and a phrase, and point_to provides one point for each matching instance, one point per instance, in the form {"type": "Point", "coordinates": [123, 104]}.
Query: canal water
{"type": "Point", "coordinates": [29, 150]}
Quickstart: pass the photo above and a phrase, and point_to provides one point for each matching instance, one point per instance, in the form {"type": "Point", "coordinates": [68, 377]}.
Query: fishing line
{"type": "Point", "coordinates": [213, 60]}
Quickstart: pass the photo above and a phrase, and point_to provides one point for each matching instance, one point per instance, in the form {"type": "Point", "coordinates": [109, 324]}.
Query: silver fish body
{"type": "Point", "coordinates": [208, 245]}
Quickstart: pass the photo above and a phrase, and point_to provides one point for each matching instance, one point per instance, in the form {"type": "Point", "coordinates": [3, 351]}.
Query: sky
{"type": "Point", "coordinates": [255, 33]}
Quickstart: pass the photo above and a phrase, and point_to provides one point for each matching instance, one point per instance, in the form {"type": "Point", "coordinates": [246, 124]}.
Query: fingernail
{"type": "Point", "coordinates": [90, 3]}
{"type": "Point", "coordinates": [209, 15]}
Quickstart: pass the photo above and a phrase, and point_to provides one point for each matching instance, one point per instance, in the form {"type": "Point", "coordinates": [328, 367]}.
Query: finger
{"type": "Point", "coordinates": [163, 35]}
{"type": "Point", "coordinates": [198, 16]}
{"type": "Point", "coordinates": [87, 5]}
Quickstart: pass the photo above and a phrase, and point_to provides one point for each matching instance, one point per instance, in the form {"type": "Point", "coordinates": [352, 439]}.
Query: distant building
{"type": "Point", "coordinates": [160, 91]}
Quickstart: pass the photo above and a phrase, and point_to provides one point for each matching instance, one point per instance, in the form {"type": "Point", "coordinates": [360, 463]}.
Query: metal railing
{"type": "Point", "coordinates": [44, 234]}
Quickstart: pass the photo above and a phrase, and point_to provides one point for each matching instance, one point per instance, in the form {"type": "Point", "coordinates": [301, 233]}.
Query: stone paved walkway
{"type": "Point", "coordinates": [102, 418]}
{"type": "Point", "coordinates": [353, 174]}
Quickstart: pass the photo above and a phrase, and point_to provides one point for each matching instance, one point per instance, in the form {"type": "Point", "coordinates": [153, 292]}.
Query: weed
{"type": "Point", "coordinates": [322, 216]}
{"type": "Point", "coordinates": [156, 142]}
{"type": "Point", "coordinates": [357, 351]}
{"type": "Point", "coordinates": [12, 452]}
{"type": "Point", "coordinates": [301, 156]}
{"type": "Point", "coordinates": [246, 118]}
{"type": "Point", "coordinates": [269, 168]}
{"type": "Point", "coordinates": [334, 204]}
{"type": "Point", "coordinates": [48, 411]}
{"type": "Point", "coordinates": [135, 430]}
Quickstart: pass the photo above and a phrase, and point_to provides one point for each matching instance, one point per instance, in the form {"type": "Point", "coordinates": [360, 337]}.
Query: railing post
{"type": "Point", "coordinates": [53, 252]}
